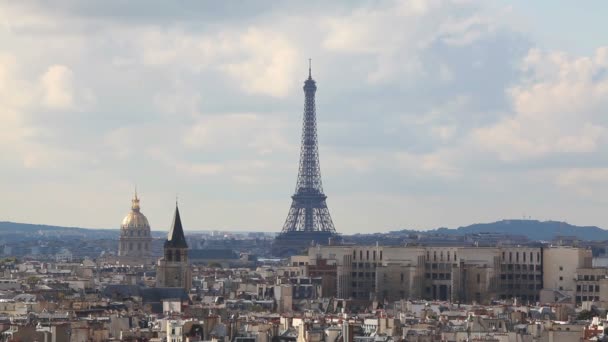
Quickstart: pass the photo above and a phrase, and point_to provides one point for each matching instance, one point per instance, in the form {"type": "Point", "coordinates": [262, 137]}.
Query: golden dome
{"type": "Point", "coordinates": [135, 219]}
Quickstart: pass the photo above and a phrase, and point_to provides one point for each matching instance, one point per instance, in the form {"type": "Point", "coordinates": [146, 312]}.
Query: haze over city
{"type": "Point", "coordinates": [430, 113]}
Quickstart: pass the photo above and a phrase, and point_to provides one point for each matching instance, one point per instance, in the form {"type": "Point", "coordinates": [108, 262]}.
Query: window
{"type": "Point", "coordinates": [524, 256]}
{"type": "Point", "coordinates": [360, 255]}
{"type": "Point", "coordinates": [478, 278]}
{"type": "Point", "coordinates": [367, 255]}
{"type": "Point", "coordinates": [503, 256]}
{"type": "Point", "coordinates": [531, 257]}
{"type": "Point", "coordinates": [354, 255]}
{"type": "Point", "coordinates": [561, 268]}
{"type": "Point", "coordinates": [435, 256]}
{"type": "Point", "coordinates": [516, 256]}
{"type": "Point", "coordinates": [561, 278]}
{"type": "Point", "coordinates": [374, 255]}
{"type": "Point", "coordinates": [510, 256]}
{"type": "Point", "coordinates": [402, 277]}
{"type": "Point", "coordinates": [380, 255]}
{"type": "Point", "coordinates": [448, 255]}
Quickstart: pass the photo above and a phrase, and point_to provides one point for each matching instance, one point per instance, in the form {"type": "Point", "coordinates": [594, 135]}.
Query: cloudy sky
{"type": "Point", "coordinates": [430, 113]}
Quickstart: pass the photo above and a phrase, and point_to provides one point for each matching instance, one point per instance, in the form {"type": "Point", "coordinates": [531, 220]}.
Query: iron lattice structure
{"type": "Point", "coordinates": [308, 212]}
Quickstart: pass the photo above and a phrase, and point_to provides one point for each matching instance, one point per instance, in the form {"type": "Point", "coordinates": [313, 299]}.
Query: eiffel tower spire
{"type": "Point", "coordinates": [308, 212]}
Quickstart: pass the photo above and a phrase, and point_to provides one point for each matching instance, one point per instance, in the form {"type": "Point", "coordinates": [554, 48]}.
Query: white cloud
{"type": "Point", "coordinates": [584, 181]}
{"type": "Point", "coordinates": [558, 108]}
{"type": "Point", "coordinates": [260, 134]}
{"type": "Point", "coordinates": [58, 89]}
{"type": "Point", "coordinates": [258, 60]}
{"type": "Point", "coordinates": [396, 35]}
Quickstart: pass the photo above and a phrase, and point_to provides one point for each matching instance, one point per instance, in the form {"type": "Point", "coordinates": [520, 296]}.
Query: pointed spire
{"type": "Point", "coordinates": [176, 238]}
{"type": "Point", "coordinates": [310, 68]}
{"type": "Point", "coordinates": [135, 201]}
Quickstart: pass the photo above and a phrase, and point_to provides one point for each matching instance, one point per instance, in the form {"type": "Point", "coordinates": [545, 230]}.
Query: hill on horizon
{"type": "Point", "coordinates": [533, 229]}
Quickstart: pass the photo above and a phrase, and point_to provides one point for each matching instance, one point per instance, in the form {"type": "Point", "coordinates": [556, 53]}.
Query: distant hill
{"type": "Point", "coordinates": [533, 229]}
{"type": "Point", "coordinates": [26, 230]}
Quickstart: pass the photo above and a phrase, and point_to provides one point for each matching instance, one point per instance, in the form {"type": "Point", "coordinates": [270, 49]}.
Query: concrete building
{"type": "Point", "coordinates": [457, 274]}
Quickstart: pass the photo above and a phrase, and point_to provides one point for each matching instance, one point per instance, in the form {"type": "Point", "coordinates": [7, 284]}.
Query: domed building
{"type": "Point", "coordinates": [135, 238]}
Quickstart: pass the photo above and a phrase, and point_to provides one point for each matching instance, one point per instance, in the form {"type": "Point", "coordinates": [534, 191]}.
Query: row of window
{"type": "Point", "coordinates": [136, 233]}
{"type": "Point", "coordinates": [586, 298]}
{"type": "Point", "coordinates": [447, 255]}
{"type": "Point", "coordinates": [362, 284]}
{"type": "Point", "coordinates": [440, 266]}
{"type": "Point", "coordinates": [364, 265]}
{"type": "Point", "coordinates": [366, 255]}
{"type": "Point", "coordinates": [440, 276]}
{"type": "Point", "coordinates": [521, 276]}
{"type": "Point", "coordinates": [588, 288]}
{"type": "Point", "coordinates": [518, 267]}
{"type": "Point", "coordinates": [590, 277]}
{"type": "Point", "coordinates": [171, 256]}
{"type": "Point", "coordinates": [523, 256]}
{"type": "Point", "coordinates": [521, 286]}
{"type": "Point", "coordinates": [364, 274]}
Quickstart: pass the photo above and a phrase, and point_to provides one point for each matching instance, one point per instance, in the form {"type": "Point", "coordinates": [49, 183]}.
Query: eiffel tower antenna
{"type": "Point", "coordinates": [308, 212]}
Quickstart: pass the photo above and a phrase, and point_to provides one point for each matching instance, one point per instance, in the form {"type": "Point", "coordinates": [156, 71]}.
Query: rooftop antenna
{"type": "Point", "coordinates": [310, 68]}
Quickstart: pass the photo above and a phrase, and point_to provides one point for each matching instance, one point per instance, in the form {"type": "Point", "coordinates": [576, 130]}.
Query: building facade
{"type": "Point", "coordinates": [173, 268]}
{"type": "Point", "coordinates": [447, 273]}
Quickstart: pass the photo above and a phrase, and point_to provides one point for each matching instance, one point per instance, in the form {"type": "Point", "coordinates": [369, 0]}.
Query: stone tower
{"type": "Point", "coordinates": [173, 269]}
{"type": "Point", "coordinates": [135, 239]}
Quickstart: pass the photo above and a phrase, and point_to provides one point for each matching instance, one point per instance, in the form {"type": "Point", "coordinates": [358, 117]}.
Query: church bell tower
{"type": "Point", "coordinates": [173, 269]}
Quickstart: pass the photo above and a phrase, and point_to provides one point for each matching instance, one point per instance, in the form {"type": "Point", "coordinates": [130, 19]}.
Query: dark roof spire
{"type": "Point", "coordinates": [176, 238]}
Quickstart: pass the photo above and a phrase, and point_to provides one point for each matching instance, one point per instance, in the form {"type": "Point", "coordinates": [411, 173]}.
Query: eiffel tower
{"type": "Point", "coordinates": [308, 219]}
